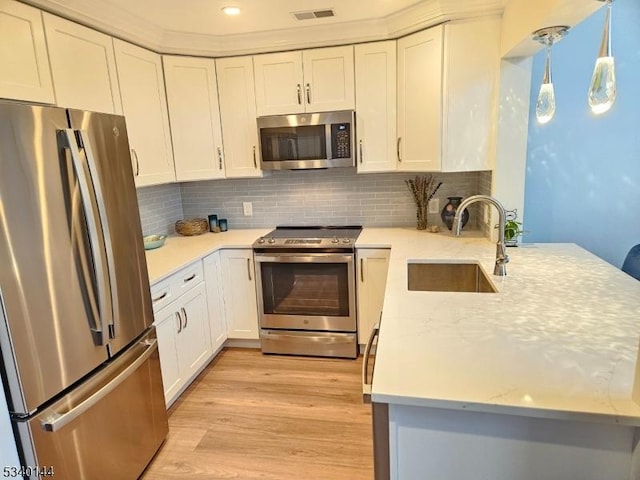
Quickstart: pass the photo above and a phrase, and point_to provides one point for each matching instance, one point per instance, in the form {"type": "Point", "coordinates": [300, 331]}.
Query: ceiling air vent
{"type": "Point", "coordinates": [309, 14]}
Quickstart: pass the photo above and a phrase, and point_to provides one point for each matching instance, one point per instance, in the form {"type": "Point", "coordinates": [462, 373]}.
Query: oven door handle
{"type": "Point", "coordinates": [305, 258]}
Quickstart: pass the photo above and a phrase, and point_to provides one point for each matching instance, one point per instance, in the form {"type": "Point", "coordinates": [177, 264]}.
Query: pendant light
{"type": "Point", "coordinates": [602, 92]}
{"type": "Point", "coordinates": [546, 103]}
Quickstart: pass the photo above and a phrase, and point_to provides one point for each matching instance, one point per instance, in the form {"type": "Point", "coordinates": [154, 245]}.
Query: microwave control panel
{"type": "Point", "coordinates": [341, 140]}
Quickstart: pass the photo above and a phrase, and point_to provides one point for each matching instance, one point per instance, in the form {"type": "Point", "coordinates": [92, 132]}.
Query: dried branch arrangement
{"type": "Point", "coordinates": [423, 188]}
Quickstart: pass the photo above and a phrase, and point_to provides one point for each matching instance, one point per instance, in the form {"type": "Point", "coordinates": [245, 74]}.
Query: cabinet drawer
{"type": "Point", "coordinates": [167, 290]}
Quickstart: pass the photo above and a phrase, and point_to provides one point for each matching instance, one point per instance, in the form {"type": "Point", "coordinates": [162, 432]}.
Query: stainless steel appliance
{"type": "Point", "coordinates": [306, 291]}
{"type": "Point", "coordinates": [80, 363]}
{"type": "Point", "coordinates": [307, 141]}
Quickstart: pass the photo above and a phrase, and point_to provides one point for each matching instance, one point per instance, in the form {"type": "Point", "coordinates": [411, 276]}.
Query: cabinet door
{"type": "Point", "coordinates": [376, 106]}
{"type": "Point", "coordinates": [241, 308]}
{"type": "Point", "coordinates": [329, 79]}
{"type": "Point", "coordinates": [279, 83]}
{"type": "Point", "coordinates": [25, 71]}
{"type": "Point", "coordinates": [192, 98]}
{"type": "Point", "coordinates": [420, 100]}
{"type": "Point", "coordinates": [83, 66]}
{"type": "Point", "coordinates": [372, 268]}
{"type": "Point", "coordinates": [194, 340]}
{"type": "Point", "coordinates": [469, 94]}
{"type": "Point", "coordinates": [238, 116]}
{"type": "Point", "coordinates": [145, 108]}
{"type": "Point", "coordinates": [215, 303]}
{"type": "Point", "coordinates": [168, 323]}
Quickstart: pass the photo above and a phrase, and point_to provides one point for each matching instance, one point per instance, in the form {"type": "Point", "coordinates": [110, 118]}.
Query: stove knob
{"type": "Point", "coordinates": [346, 240]}
{"type": "Point", "coordinates": [261, 240]}
{"type": "Point", "coordinates": [334, 240]}
{"type": "Point", "coordinates": [272, 240]}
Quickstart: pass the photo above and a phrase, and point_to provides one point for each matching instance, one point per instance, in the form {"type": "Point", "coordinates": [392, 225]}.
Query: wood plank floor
{"type": "Point", "coordinates": [251, 416]}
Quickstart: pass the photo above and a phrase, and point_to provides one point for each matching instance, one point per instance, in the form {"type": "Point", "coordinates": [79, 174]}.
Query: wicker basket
{"type": "Point", "coordinates": [192, 226]}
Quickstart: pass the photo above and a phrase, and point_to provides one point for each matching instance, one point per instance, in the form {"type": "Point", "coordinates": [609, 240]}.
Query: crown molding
{"type": "Point", "coordinates": [137, 30]}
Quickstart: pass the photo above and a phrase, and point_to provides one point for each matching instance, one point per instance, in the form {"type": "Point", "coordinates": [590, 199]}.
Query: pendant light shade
{"type": "Point", "coordinates": [546, 103]}
{"type": "Point", "coordinates": [602, 91]}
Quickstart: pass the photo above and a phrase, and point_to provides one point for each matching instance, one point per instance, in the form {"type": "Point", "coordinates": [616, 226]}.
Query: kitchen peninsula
{"type": "Point", "coordinates": [532, 382]}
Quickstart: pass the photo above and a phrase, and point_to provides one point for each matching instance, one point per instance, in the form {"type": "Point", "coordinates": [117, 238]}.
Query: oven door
{"type": "Point", "coordinates": [306, 291]}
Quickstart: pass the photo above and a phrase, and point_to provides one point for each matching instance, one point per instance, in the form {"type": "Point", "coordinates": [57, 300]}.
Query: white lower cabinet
{"type": "Point", "coordinates": [239, 291]}
{"type": "Point", "coordinates": [215, 302]}
{"type": "Point", "coordinates": [373, 264]}
{"type": "Point", "coordinates": [183, 340]}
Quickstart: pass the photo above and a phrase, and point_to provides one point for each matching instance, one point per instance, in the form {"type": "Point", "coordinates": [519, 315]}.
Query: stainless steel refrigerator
{"type": "Point", "coordinates": [80, 363]}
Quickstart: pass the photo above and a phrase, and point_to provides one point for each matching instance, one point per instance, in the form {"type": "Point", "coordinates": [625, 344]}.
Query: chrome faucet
{"type": "Point", "coordinates": [501, 254]}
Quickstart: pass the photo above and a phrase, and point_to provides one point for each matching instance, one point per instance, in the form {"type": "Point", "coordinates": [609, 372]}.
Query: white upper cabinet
{"type": "Point", "coordinates": [25, 71]}
{"type": "Point", "coordinates": [420, 100]}
{"type": "Point", "coordinates": [145, 108]}
{"type": "Point", "coordinates": [238, 116]}
{"type": "Point", "coordinates": [83, 66]}
{"type": "Point", "coordinates": [447, 84]}
{"type": "Point", "coordinates": [470, 92]}
{"type": "Point", "coordinates": [279, 83]}
{"type": "Point", "coordinates": [318, 80]}
{"type": "Point", "coordinates": [376, 106]}
{"type": "Point", "coordinates": [329, 79]}
{"type": "Point", "coordinates": [192, 97]}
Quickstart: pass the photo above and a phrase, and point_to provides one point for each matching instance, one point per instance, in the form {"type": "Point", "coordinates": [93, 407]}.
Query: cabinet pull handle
{"type": "Point", "coordinates": [219, 158]}
{"type": "Point", "coordinates": [299, 94]}
{"type": "Point", "coordinates": [249, 268]}
{"type": "Point", "coordinates": [308, 89]}
{"type": "Point", "coordinates": [255, 164]}
{"type": "Point", "coordinates": [398, 149]}
{"type": "Point", "coordinates": [135, 156]}
{"type": "Point", "coordinates": [362, 269]}
{"type": "Point", "coordinates": [366, 387]}
{"type": "Point", "coordinates": [157, 299]}
{"type": "Point", "coordinates": [193, 275]}
{"type": "Point", "coordinates": [186, 318]}
{"type": "Point", "coordinates": [360, 152]}
{"type": "Point", "coordinates": [179, 322]}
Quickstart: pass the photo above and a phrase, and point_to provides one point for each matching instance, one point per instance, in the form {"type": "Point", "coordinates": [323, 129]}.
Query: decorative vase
{"type": "Point", "coordinates": [449, 212]}
{"type": "Point", "coordinates": [421, 216]}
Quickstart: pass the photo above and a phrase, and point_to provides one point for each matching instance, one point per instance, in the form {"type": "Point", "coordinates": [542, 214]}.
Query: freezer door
{"type": "Point", "coordinates": [108, 427]}
{"type": "Point", "coordinates": [51, 332]}
{"type": "Point", "coordinates": [104, 146]}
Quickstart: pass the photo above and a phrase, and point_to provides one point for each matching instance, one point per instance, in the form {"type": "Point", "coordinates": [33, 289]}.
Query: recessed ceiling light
{"type": "Point", "coordinates": [231, 10]}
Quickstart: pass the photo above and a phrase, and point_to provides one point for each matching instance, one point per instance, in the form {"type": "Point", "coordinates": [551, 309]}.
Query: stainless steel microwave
{"type": "Point", "coordinates": [307, 140]}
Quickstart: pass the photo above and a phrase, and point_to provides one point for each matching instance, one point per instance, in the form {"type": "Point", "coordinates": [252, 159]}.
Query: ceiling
{"type": "Point", "coordinates": [199, 27]}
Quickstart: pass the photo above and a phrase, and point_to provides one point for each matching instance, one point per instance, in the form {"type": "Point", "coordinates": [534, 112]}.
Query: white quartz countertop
{"type": "Point", "coordinates": [179, 251]}
{"type": "Point", "coordinates": [559, 340]}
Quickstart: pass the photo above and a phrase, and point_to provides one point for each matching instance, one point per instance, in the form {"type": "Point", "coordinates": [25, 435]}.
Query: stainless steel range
{"type": "Point", "coordinates": [306, 291]}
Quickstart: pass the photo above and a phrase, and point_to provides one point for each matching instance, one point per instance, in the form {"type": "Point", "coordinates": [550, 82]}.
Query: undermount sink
{"type": "Point", "coordinates": [448, 277]}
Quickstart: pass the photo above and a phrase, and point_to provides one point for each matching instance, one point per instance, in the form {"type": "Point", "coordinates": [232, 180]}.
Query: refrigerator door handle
{"type": "Point", "coordinates": [56, 421]}
{"type": "Point", "coordinates": [111, 277]}
{"type": "Point", "coordinates": [94, 227]}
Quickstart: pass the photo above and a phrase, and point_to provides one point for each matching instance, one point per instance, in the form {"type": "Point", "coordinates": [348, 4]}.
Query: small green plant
{"type": "Point", "coordinates": [512, 230]}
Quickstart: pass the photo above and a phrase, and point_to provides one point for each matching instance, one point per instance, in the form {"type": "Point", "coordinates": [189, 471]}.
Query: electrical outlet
{"type": "Point", "coordinates": [247, 208]}
{"type": "Point", "coordinates": [434, 205]}
{"type": "Point", "coordinates": [485, 214]}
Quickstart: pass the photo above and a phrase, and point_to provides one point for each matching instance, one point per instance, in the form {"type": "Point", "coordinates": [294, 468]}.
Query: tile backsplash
{"type": "Point", "coordinates": [312, 197]}
{"type": "Point", "coordinates": [160, 206]}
